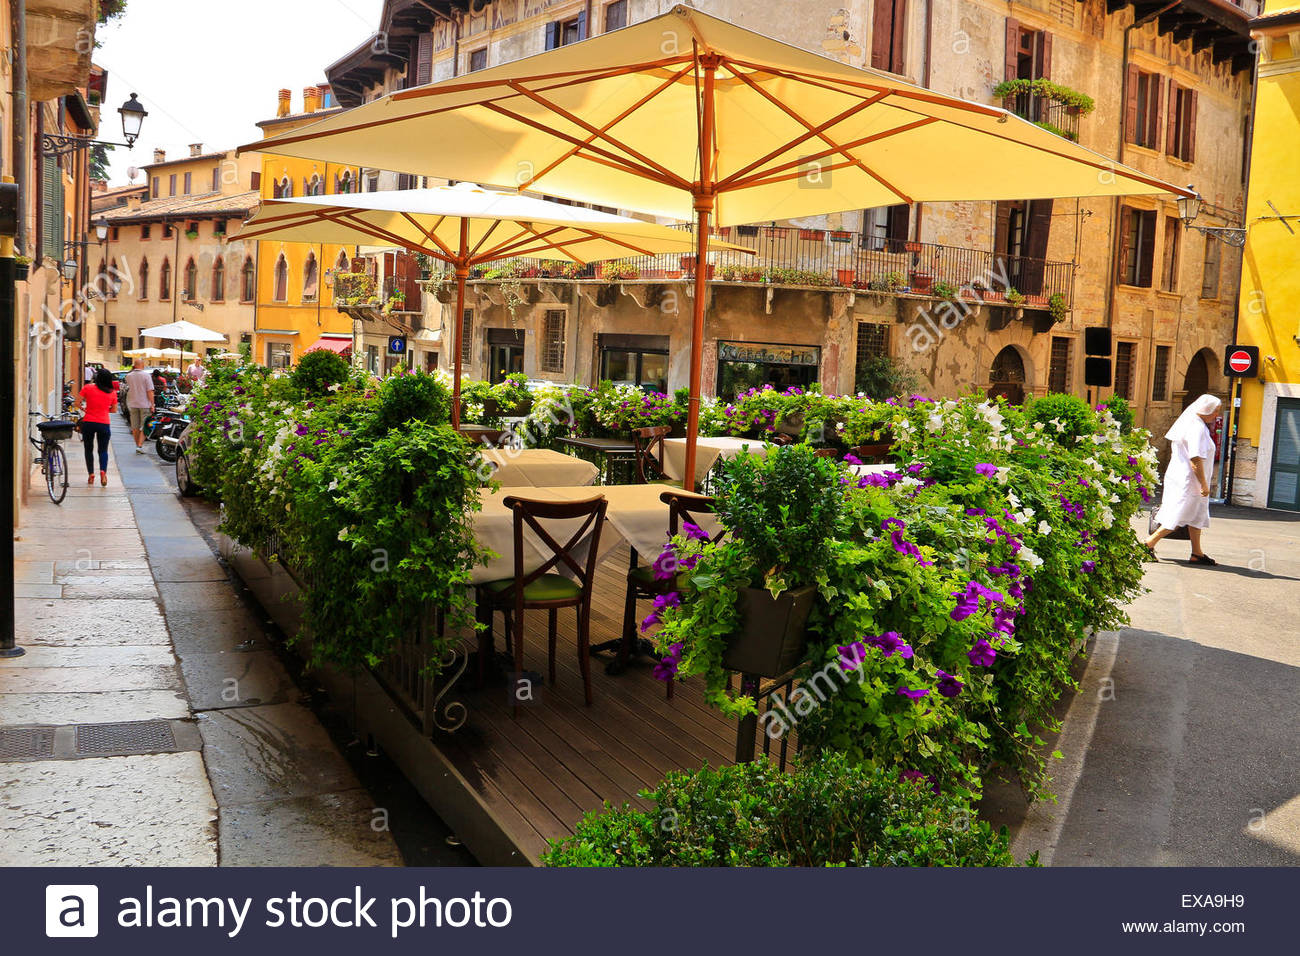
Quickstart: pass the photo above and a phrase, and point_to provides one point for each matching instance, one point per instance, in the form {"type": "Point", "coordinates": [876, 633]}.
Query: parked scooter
{"type": "Point", "coordinates": [164, 428]}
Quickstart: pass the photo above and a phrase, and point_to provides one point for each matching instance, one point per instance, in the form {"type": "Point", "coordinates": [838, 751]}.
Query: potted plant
{"type": "Point", "coordinates": [191, 234]}
{"type": "Point", "coordinates": [1057, 306]}
{"type": "Point", "coordinates": [846, 277]}
{"type": "Point", "coordinates": [911, 245]}
{"type": "Point", "coordinates": [745, 601]}
{"type": "Point", "coordinates": [1015, 299]}
{"type": "Point", "coordinates": [887, 282]}
{"type": "Point", "coordinates": [841, 235]}
{"type": "Point", "coordinates": [619, 272]}
{"type": "Point", "coordinates": [945, 290]}
{"type": "Point", "coordinates": [922, 282]}
{"type": "Point", "coordinates": [22, 264]}
{"type": "Point", "coordinates": [812, 235]}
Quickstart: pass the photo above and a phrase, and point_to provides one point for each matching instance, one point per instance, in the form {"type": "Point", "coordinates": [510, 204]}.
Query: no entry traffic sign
{"type": "Point", "coordinates": [1240, 361]}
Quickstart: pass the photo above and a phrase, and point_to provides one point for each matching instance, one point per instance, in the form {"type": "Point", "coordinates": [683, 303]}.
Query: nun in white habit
{"type": "Point", "coordinates": [1186, 499]}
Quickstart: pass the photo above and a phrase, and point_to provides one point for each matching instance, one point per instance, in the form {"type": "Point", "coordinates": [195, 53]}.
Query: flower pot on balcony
{"type": "Point", "coordinates": [20, 271]}
{"type": "Point", "coordinates": [672, 273]}
{"type": "Point", "coordinates": [922, 283]}
{"type": "Point", "coordinates": [772, 632]}
{"type": "Point", "coordinates": [911, 246]}
{"type": "Point", "coordinates": [747, 230]}
{"type": "Point", "coordinates": [841, 235]}
{"type": "Point", "coordinates": [812, 235]}
{"type": "Point", "coordinates": [846, 277]}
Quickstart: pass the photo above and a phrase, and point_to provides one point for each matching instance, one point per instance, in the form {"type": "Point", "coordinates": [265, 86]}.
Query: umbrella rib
{"type": "Point", "coordinates": [596, 132]}
{"type": "Point", "coordinates": [812, 131]}
{"type": "Point", "coordinates": [470, 253]}
{"type": "Point", "coordinates": [769, 176]}
{"type": "Point", "coordinates": [611, 124]}
{"type": "Point", "coordinates": [504, 246]}
{"type": "Point", "coordinates": [428, 234]}
{"type": "Point", "coordinates": [571, 76]}
{"type": "Point", "coordinates": [822, 135]}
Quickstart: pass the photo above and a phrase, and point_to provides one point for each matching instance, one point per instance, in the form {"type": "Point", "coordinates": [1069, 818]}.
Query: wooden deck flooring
{"type": "Point", "coordinates": [538, 774]}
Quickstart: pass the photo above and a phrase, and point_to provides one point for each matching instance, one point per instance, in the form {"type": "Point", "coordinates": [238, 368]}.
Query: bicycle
{"type": "Point", "coordinates": [53, 462]}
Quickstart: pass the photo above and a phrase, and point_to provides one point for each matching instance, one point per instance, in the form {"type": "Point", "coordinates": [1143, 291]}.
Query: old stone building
{"type": "Point", "coordinates": [1163, 87]}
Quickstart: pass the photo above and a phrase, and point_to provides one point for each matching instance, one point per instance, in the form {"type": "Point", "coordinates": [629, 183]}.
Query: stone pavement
{"type": "Point", "coordinates": [128, 619]}
{"type": "Point", "coordinates": [1184, 734]}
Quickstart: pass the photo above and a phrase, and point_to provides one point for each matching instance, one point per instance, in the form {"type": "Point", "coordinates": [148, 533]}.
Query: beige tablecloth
{"type": "Point", "coordinates": [538, 468]}
{"type": "Point", "coordinates": [634, 514]}
{"type": "Point", "coordinates": [707, 452]}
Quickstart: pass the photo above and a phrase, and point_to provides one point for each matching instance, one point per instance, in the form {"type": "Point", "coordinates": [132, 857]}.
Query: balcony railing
{"type": "Point", "coordinates": [1046, 112]}
{"type": "Point", "coordinates": [787, 256]}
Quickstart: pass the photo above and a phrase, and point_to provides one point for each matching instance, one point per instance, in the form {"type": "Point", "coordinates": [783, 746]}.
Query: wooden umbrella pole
{"type": "Point", "coordinates": [704, 203]}
{"type": "Point", "coordinates": [462, 273]}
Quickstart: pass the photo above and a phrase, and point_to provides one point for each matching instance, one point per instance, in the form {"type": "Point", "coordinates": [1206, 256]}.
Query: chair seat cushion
{"type": "Point", "coordinates": [549, 587]}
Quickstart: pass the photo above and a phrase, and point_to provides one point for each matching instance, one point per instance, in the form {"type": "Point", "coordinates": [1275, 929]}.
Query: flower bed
{"type": "Point", "coordinates": [365, 490]}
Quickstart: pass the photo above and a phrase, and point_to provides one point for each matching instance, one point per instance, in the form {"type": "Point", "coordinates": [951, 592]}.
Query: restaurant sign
{"type": "Point", "coordinates": [761, 353]}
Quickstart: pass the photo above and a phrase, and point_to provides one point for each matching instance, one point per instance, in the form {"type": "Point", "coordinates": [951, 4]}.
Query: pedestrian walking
{"type": "Point", "coordinates": [1186, 499]}
{"type": "Point", "coordinates": [139, 401]}
{"type": "Point", "coordinates": [196, 372]}
{"type": "Point", "coordinates": [98, 399]}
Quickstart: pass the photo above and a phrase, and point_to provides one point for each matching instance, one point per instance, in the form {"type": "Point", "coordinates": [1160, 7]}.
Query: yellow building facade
{"type": "Point", "coordinates": [1268, 449]}
{"type": "Point", "coordinates": [295, 310]}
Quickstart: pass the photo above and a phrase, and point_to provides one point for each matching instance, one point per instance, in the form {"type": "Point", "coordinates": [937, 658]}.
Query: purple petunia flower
{"type": "Point", "coordinates": [890, 643]}
{"type": "Point", "coordinates": [949, 686]}
{"type": "Point", "coordinates": [985, 469]}
{"type": "Point", "coordinates": [671, 599]}
{"type": "Point", "coordinates": [666, 667]}
{"type": "Point", "coordinates": [300, 430]}
{"type": "Point", "coordinates": [852, 655]}
{"type": "Point", "coordinates": [1088, 567]}
{"type": "Point", "coordinates": [910, 694]}
{"type": "Point", "coordinates": [982, 654]}
{"type": "Point", "coordinates": [694, 532]}
{"type": "Point", "coordinates": [666, 565]}
{"type": "Point", "coordinates": [852, 459]}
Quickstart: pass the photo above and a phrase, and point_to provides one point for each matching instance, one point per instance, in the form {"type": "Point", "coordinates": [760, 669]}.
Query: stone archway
{"type": "Point", "coordinates": [1202, 377]}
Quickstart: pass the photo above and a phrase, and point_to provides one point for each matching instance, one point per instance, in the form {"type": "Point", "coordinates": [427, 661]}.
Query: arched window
{"type": "Point", "coordinates": [248, 281]}
{"type": "Point", "coordinates": [1007, 376]}
{"type": "Point", "coordinates": [315, 186]}
{"type": "Point", "coordinates": [114, 280]}
{"type": "Point", "coordinates": [285, 189]}
{"type": "Point", "coordinates": [281, 280]}
{"type": "Point", "coordinates": [310, 278]}
{"type": "Point", "coordinates": [165, 281]}
{"type": "Point", "coordinates": [190, 280]}
{"type": "Point", "coordinates": [343, 183]}
{"type": "Point", "coordinates": [341, 264]}
{"type": "Point", "coordinates": [144, 278]}
{"type": "Point", "coordinates": [219, 280]}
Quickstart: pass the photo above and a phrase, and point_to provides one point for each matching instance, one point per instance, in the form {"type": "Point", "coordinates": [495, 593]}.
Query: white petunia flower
{"type": "Point", "coordinates": [1044, 528]}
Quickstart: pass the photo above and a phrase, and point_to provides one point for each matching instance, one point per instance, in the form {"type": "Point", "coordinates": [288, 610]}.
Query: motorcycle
{"type": "Point", "coordinates": [185, 483]}
{"type": "Point", "coordinates": [164, 428]}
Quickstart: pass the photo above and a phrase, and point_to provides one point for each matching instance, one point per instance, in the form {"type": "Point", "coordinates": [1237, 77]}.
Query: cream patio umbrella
{"type": "Point", "coordinates": [465, 225]}
{"type": "Point", "coordinates": [688, 116]}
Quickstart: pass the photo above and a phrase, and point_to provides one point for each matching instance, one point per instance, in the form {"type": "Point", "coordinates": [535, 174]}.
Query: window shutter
{"type": "Point", "coordinates": [51, 208]}
{"type": "Point", "coordinates": [552, 35]}
{"type": "Point", "coordinates": [896, 226]}
{"type": "Point", "coordinates": [255, 181]}
{"type": "Point", "coordinates": [1191, 128]}
{"type": "Point", "coordinates": [898, 38]}
{"type": "Point", "coordinates": [582, 25]}
{"type": "Point", "coordinates": [1039, 227]}
{"type": "Point", "coordinates": [1153, 132]}
{"type": "Point", "coordinates": [424, 60]}
{"type": "Point", "coordinates": [1125, 232]}
{"type": "Point", "coordinates": [1044, 54]}
{"type": "Point", "coordinates": [882, 35]}
{"type": "Point", "coordinates": [1131, 106]}
{"type": "Point", "coordinates": [1171, 121]}
{"type": "Point", "coordinates": [1013, 48]}
{"type": "Point", "coordinates": [1147, 249]}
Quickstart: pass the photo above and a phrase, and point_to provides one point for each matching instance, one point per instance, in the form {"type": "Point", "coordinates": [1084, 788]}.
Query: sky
{"type": "Point", "coordinates": [208, 72]}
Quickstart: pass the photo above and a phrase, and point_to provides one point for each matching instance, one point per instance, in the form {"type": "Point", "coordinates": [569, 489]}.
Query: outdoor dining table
{"type": "Point", "coordinates": [610, 450]}
{"type": "Point", "coordinates": [634, 514]}
{"type": "Point", "coordinates": [707, 453]}
{"type": "Point", "coordinates": [538, 468]}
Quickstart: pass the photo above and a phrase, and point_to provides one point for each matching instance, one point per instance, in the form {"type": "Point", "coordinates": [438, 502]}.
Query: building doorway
{"type": "Point", "coordinates": [505, 353]}
{"type": "Point", "coordinates": [1284, 472]}
{"type": "Point", "coordinates": [1197, 382]}
{"type": "Point", "coordinates": [1007, 376]}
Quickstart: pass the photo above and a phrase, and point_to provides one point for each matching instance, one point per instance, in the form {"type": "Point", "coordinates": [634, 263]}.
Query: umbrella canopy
{"type": "Point", "coordinates": [176, 353]}
{"type": "Point", "coordinates": [182, 331]}
{"type": "Point", "coordinates": [145, 353]}
{"type": "Point", "coordinates": [687, 114]}
{"type": "Point", "coordinates": [465, 225]}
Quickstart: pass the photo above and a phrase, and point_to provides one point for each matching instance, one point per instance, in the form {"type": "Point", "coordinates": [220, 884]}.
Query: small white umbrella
{"type": "Point", "coordinates": [183, 331]}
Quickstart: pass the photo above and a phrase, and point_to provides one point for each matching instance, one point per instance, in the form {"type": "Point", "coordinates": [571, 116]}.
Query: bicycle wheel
{"type": "Point", "coordinates": [56, 472]}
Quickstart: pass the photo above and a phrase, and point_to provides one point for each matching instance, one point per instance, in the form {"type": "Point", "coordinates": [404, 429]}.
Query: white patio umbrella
{"type": "Point", "coordinates": [465, 225]}
{"type": "Point", "coordinates": [689, 116]}
{"type": "Point", "coordinates": [183, 331]}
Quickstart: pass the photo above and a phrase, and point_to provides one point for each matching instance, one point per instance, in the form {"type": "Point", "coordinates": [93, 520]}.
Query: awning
{"type": "Point", "coordinates": [432, 336]}
{"type": "Point", "coordinates": [332, 344]}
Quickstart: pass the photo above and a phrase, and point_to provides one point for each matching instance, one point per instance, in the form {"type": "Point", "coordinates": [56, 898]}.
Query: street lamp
{"type": "Point", "coordinates": [69, 269]}
{"type": "Point", "coordinates": [1189, 207]}
{"type": "Point", "coordinates": [132, 113]}
{"type": "Point", "coordinates": [101, 229]}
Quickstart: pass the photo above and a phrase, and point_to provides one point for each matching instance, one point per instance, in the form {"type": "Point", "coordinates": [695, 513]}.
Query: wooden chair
{"type": "Point", "coordinates": [541, 589]}
{"type": "Point", "coordinates": [482, 436]}
{"type": "Point", "coordinates": [649, 444]}
{"type": "Point", "coordinates": [826, 453]}
{"type": "Point", "coordinates": [641, 581]}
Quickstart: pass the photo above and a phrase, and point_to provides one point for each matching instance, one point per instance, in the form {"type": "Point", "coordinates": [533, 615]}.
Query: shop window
{"type": "Point", "coordinates": [279, 354]}
{"type": "Point", "coordinates": [746, 365]}
{"type": "Point", "coordinates": [625, 364]}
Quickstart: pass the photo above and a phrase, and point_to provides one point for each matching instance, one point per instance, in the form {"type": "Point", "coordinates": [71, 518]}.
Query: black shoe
{"type": "Point", "coordinates": [1202, 559]}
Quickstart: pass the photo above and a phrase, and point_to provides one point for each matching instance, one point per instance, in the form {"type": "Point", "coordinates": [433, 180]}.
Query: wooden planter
{"type": "Point", "coordinates": [812, 235]}
{"type": "Point", "coordinates": [772, 633]}
{"type": "Point", "coordinates": [846, 277]}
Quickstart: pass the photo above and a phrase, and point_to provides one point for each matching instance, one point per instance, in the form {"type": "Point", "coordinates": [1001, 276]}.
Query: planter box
{"type": "Point", "coordinates": [672, 273]}
{"type": "Point", "coordinates": [20, 271]}
{"type": "Point", "coordinates": [771, 637]}
{"type": "Point", "coordinates": [841, 235]}
{"type": "Point", "coordinates": [922, 283]}
{"type": "Point", "coordinates": [846, 277]}
{"type": "Point", "coordinates": [813, 235]}
{"type": "Point", "coordinates": [911, 246]}
{"type": "Point", "coordinates": [747, 230]}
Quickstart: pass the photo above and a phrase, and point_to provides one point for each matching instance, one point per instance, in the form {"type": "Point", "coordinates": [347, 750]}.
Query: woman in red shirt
{"type": "Point", "coordinates": [99, 399]}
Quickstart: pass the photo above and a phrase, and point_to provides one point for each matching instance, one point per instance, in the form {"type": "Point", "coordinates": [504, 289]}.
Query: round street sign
{"type": "Point", "coordinates": [1240, 361]}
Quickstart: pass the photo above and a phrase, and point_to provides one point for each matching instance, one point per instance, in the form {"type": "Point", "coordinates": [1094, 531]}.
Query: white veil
{"type": "Point", "coordinates": [1188, 427]}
